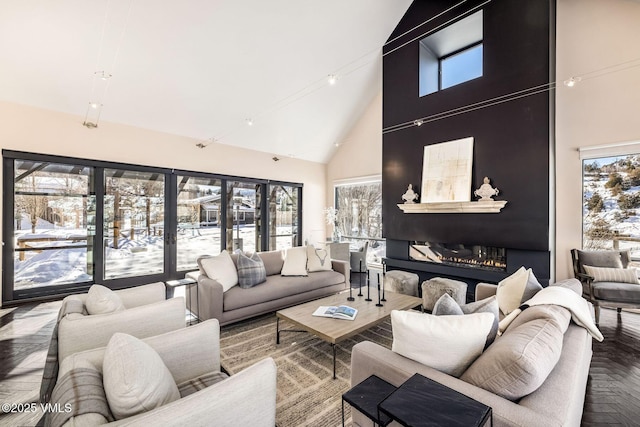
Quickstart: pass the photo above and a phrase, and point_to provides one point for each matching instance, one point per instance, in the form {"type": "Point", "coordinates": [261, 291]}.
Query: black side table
{"type": "Point", "coordinates": [420, 401]}
{"type": "Point", "coordinates": [188, 282]}
{"type": "Point", "coordinates": [365, 398]}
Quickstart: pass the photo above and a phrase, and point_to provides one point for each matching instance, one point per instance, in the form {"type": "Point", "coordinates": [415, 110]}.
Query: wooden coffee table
{"type": "Point", "coordinates": [336, 330]}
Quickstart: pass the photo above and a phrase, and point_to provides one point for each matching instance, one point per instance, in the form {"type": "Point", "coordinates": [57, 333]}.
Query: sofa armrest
{"type": "Point", "coordinates": [247, 398]}
{"type": "Point", "coordinates": [485, 290]}
{"type": "Point", "coordinates": [79, 333]}
{"type": "Point", "coordinates": [343, 267]}
{"type": "Point", "coordinates": [369, 358]}
{"type": "Point", "coordinates": [142, 295]}
{"type": "Point", "coordinates": [211, 298]}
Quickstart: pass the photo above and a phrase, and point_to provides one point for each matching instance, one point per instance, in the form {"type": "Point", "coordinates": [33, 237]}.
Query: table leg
{"type": "Point", "coordinates": [333, 346]}
{"type": "Point", "coordinates": [189, 305]}
{"type": "Point", "coordinates": [277, 330]}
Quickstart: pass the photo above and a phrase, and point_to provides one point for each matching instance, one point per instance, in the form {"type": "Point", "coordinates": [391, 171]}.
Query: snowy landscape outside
{"type": "Point", "coordinates": [611, 204]}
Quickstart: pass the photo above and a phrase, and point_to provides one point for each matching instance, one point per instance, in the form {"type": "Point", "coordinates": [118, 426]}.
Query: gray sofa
{"type": "Point", "coordinates": [557, 402]}
{"type": "Point", "coordinates": [277, 292]}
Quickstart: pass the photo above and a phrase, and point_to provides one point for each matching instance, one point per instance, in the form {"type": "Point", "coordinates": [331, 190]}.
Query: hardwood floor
{"type": "Point", "coordinates": [612, 398]}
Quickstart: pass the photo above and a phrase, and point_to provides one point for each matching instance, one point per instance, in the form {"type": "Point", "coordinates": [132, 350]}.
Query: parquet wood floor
{"type": "Point", "coordinates": [612, 396]}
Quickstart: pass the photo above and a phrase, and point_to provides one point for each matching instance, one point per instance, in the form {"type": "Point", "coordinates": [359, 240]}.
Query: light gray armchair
{"type": "Point", "coordinates": [358, 259]}
{"type": "Point", "coordinates": [247, 398]}
{"type": "Point", "coordinates": [605, 293]}
{"type": "Point", "coordinates": [146, 314]}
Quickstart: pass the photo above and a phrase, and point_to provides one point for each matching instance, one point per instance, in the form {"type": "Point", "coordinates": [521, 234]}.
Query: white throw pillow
{"type": "Point", "coordinates": [101, 300]}
{"type": "Point", "coordinates": [318, 259]}
{"type": "Point", "coordinates": [446, 343]}
{"type": "Point", "coordinates": [135, 378]}
{"type": "Point", "coordinates": [221, 269]}
{"type": "Point", "coordinates": [516, 289]}
{"type": "Point", "coordinates": [295, 262]}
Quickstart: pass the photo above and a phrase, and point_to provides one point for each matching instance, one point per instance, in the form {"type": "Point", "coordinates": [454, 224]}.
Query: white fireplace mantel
{"type": "Point", "coordinates": [492, 206]}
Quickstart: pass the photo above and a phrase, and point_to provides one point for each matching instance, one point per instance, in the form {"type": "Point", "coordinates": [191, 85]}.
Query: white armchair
{"type": "Point", "coordinates": [146, 314]}
{"type": "Point", "coordinates": [246, 398]}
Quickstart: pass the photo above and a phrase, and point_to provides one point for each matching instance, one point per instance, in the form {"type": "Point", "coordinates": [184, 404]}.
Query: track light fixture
{"type": "Point", "coordinates": [332, 79]}
{"type": "Point", "coordinates": [571, 82]}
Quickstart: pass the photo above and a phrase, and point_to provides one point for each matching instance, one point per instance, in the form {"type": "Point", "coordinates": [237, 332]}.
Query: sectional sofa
{"type": "Point", "coordinates": [558, 401]}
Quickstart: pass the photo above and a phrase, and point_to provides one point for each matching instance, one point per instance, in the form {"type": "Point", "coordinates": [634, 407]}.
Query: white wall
{"type": "Point", "coordinates": [360, 153]}
{"type": "Point", "coordinates": [41, 131]}
{"type": "Point", "coordinates": [593, 36]}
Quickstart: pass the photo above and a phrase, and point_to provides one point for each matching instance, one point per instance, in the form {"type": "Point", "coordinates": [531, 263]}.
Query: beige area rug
{"type": "Point", "coordinates": [307, 393]}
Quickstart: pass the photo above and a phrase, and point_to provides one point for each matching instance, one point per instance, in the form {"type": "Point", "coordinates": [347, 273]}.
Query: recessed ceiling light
{"type": "Point", "coordinates": [332, 79]}
{"type": "Point", "coordinates": [249, 122]}
{"type": "Point", "coordinates": [103, 75]}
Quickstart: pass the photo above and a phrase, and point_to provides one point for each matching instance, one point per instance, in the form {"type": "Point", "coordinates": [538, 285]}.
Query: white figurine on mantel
{"type": "Point", "coordinates": [410, 196]}
{"type": "Point", "coordinates": [486, 191]}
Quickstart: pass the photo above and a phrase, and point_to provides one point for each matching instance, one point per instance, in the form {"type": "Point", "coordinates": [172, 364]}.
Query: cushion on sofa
{"type": "Point", "coordinates": [604, 274]}
{"type": "Point", "coordinates": [446, 343]}
{"type": "Point", "coordinates": [273, 261]}
{"type": "Point", "coordinates": [135, 378]}
{"type": "Point", "coordinates": [318, 259]}
{"type": "Point", "coordinates": [516, 289]}
{"type": "Point", "coordinates": [220, 268]}
{"type": "Point", "coordinates": [446, 305]}
{"type": "Point", "coordinates": [251, 270]}
{"type": "Point", "coordinates": [295, 262]}
{"type": "Point", "coordinates": [574, 284]}
{"type": "Point", "coordinates": [559, 314]}
{"type": "Point", "coordinates": [518, 362]}
{"type": "Point", "coordinates": [102, 300]}
{"type": "Point", "coordinates": [277, 287]}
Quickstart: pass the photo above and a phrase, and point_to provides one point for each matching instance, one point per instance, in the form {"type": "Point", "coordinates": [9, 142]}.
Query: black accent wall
{"type": "Point", "coordinates": [512, 139]}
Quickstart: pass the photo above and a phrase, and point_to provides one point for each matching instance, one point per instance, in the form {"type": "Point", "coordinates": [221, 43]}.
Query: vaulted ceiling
{"type": "Point", "coordinates": [202, 68]}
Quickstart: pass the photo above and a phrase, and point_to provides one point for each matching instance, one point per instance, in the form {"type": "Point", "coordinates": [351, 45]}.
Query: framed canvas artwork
{"type": "Point", "coordinates": [446, 171]}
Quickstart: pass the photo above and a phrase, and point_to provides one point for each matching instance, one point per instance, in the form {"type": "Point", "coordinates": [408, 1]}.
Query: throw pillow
{"type": "Point", "coordinates": [221, 269]}
{"type": "Point", "coordinates": [251, 270]}
{"type": "Point", "coordinates": [446, 343]}
{"type": "Point", "coordinates": [609, 259]}
{"type": "Point", "coordinates": [318, 259]}
{"type": "Point", "coordinates": [516, 289]}
{"type": "Point", "coordinates": [135, 378]}
{"type": "Point", "coordinates": [101, 300]}
{"type": "Point", "coordinates": [295, 262]}
{"type": "Point", "coordinates": [446, 305]}
{"type": "Point", "coordinates": [621, 275]}
{"type": "Point", "coordinates": [519, 362]}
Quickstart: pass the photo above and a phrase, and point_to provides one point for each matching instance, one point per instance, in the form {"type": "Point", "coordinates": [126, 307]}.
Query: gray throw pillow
{"type": "Point", "coordinates": [251, 270]}
{"type": "Point", "coordinates": [446, 305]}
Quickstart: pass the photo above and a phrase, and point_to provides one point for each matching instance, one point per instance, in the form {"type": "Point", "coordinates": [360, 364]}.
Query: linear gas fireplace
{"type": "Point", "coordinates": [458, 255]}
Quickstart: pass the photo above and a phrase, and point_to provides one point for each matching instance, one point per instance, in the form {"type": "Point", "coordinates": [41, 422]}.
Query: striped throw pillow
{"type": "Point", "coordinates": [621, 275]}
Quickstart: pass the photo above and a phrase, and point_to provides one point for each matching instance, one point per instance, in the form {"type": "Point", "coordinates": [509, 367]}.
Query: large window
{"type": "Point", "coordinates": [611, 203]}
{"type": "Point", "coordinates": [69, 223]}
{"type": "Point", "coordinates": [54, 210]}
{"type": "Point", "coordinates": [359, 216]}
{"type": "Point", "coordinates": [452, 55]}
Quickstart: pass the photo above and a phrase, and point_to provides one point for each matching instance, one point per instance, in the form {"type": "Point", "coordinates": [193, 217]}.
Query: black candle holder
{"type": "Point", "coordinates": [360, 280]}
{"type": "Point", "coordinates": [368, 298]}
{"type": "Point", "coordinates": [379, 304]}
{"type": "Point", "coordinates": [350, 298]}
{"type": "Point", "coordinates": [384, 272]}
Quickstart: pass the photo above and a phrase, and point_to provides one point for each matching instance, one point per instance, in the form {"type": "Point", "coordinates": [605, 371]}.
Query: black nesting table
{"type": "Point", "coordinates": [365, 398]}
{"type": "Point", "coordinates": [418, 402]}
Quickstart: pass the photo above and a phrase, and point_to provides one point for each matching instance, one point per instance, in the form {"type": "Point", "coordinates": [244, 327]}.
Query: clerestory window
{"type": "Point", "coordinates": [452, 55]}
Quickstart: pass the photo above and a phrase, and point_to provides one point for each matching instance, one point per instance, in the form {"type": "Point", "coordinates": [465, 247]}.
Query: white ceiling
{"type": "Point", "coordinates": [200, 68]}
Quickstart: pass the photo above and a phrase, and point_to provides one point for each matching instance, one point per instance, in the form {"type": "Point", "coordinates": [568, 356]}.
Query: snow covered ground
{"type": "Point", "coordinates": [141, 256]}
{"type": "Point", "coordinates": [625, 222]}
